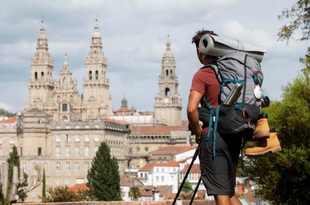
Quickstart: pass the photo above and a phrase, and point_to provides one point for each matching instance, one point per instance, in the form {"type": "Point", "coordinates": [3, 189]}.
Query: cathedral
{"type": "Point", "coordinates": [60, 130]}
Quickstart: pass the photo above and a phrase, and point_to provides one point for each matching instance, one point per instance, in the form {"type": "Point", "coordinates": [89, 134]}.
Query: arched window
{"type": "Point", "coordinates": [42, 74]}
{"type": "Point", "coordinates": [64, 107]}
{"type": "Point", "coordinates": [167, 92]}
{"type": "Point", "coordinates": [96, 75]}
{"type": "Point", "coordinates": [167, 73]}
{"type": "Point", "coordinates": [35, 75]}
{"type": "Point", "coordinates": [90, 75]}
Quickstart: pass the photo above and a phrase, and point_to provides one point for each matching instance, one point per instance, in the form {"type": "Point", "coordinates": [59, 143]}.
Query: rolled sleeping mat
{"type": "Point", "coordinates": [217, 46]}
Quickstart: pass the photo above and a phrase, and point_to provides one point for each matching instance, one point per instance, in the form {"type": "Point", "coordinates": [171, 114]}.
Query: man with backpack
{"type": "Point", "coordinates": [218, 164]}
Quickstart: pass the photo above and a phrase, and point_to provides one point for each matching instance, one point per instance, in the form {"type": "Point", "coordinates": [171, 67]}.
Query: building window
{"type": "Point", "coordinates": [86, 138]}
{"type": "Point", "coordinates": [162, 178]}
{"type": "Point", "coordinates": [86, 166]}
{"type": "Point", "coordinates": [67, 138]}
{"type": "Point", "coordinates": [67, 151]}
{"type": "Point", "coordinates": [12, 140]}
{"type": "Point", "coordinates": [77, 166]}
{"type": "Point", "coordinates": [64, 107]}
{"type": "Point", "coordinates": [77, 138]}
{"type": "Point", "coordinates": [57, 164]}
{"type": "Point", "coordinates": [96, 138]}
{"type": "Point", "coordinates": [95, 150]}
{"type": "Point", "coordinates": [57, 138]}
{"type": "Point", "coordinates": [157, 178]}
{"type": "Point", "coordinates": [39, 151]}
{"type": "Point", "coordinates": [67, 167]}
{"type": "Point", "coordinates": [77, 151]}
{"type": "Point", "coordinates": [86, 151]}
{"type": "Point", "coordinates": [57, 151]}
{"type": "Point", "coordinates": [24, 166]}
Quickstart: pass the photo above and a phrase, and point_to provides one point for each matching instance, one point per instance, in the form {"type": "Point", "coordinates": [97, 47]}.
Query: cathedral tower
{"type": "Point", "coordinates": [68, 101]}
{"type": "Point", "coordinates": [96, 96]}
{"type": "Point", "coordinates": [168, 103]}
{"type": "Point", "coordinates": [41, 83]}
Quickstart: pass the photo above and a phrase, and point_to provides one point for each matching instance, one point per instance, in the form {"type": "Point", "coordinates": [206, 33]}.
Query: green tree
{"type": "Point", "coordinates": [6, 113]}
{"type": "Point", "coordinates": [187, 187]}
{"type": "Point", "coordinates": [12, 161]}
{"type": "Point", "coordinates": [283, 178]}
{"type": "Point", "coordinates": [299, 16]}
{"type": "Point", "coordinates": [62, 194]}
{"type": "Point", "coordinates": [103, 176]}
{"type": "Point", "coordinates": [134, 192]}
{"type": "Point", "coordinates": [187, 190]}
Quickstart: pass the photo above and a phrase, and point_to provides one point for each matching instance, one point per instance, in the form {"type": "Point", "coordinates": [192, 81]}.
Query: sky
{"type": "Point", "coordinates": [134, 35]}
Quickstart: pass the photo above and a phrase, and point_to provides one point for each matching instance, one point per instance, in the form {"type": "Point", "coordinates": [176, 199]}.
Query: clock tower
{"type": "Point", "coordinates": [168, 102]}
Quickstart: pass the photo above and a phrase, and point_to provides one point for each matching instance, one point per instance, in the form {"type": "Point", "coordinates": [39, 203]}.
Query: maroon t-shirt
{"type": "Point", "coordinates": [206, 83]}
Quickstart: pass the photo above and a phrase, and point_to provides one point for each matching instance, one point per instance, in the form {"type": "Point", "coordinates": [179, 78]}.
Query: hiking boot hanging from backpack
{"type": "Point", "coordinates": [261, 128]}
{"type": "Point", "coordinates": [265, 145]}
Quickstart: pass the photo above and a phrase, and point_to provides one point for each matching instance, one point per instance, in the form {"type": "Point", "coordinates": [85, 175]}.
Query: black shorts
{"type": "Point", "coordinates": [219, 173]}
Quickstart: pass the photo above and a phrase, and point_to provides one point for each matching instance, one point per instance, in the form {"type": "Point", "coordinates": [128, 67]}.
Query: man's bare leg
{"type": "Point", "coordinates": [226, 200]}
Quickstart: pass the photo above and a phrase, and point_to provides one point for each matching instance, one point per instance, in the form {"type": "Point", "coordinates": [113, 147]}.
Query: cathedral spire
{"type": "Point", "coordinates": [168, 102]}
{"type": "Point", "coordinates": [42, 41]}
{"type": "Point", "coordinates": [65, 65]}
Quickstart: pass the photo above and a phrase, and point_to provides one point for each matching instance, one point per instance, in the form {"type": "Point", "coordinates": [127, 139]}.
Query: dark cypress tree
{"type": "Point", "coordinates": [43, 184]}
{"type": "Point", "coordinates": [103, 176]}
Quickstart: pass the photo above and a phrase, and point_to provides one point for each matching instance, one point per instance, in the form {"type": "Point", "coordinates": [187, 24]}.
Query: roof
{"type": "Point", "coordinates": [167, 164]}
{"type": "Point", "coordinates": [126, 180]}
{"type": "Point", "coordinates": [147, 191]}
{"type": "Point", "coordinates": [8, 121]}
{"type": "Point", "coordinates": [149, 167]}
{"type": "Point", "coordinates": [78, 187]}
{"type": "Point", "coordinates": [194, 169]}
{"type": "Point", "coordinates": [172, 150]}
{"type": "Point", "coordinates": [156, 129]}
{"type": "Point", "coordinates": [123, 109]}
{"type": "Point", "coordinates": [116, 121]}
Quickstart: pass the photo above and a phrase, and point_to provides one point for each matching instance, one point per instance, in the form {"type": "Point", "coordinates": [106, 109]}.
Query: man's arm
{"type": "Point", "coordinates": [192, 113]}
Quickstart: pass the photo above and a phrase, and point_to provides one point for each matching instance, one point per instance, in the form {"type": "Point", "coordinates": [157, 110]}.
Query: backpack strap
{"type": "Point", "coordinates": [210, 108]}
{"type": "Point", "coordinates": [216, 119]}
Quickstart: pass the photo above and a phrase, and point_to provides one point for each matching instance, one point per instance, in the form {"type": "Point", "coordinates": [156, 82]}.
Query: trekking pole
{"type": "Point", "coordinates": [193, 197]}
{"type": "Point", "coordinates": [184, 179]}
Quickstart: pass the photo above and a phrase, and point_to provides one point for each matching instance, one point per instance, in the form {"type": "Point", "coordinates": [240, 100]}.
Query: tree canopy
{"type": "Point", "coordinates": [283, 178]}
{"type": "Point", "coordinates": [299, 15]}
{"type": "Point", "coordinates": [103, 176]}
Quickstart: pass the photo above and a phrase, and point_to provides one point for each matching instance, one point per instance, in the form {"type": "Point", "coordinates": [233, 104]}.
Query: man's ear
{"type": "Point", "coordinates": [198, 50]}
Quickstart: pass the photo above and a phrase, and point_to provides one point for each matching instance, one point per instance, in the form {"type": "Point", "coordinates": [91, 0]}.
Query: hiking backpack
{"type": "Point", "coordinates": [236, 71]}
